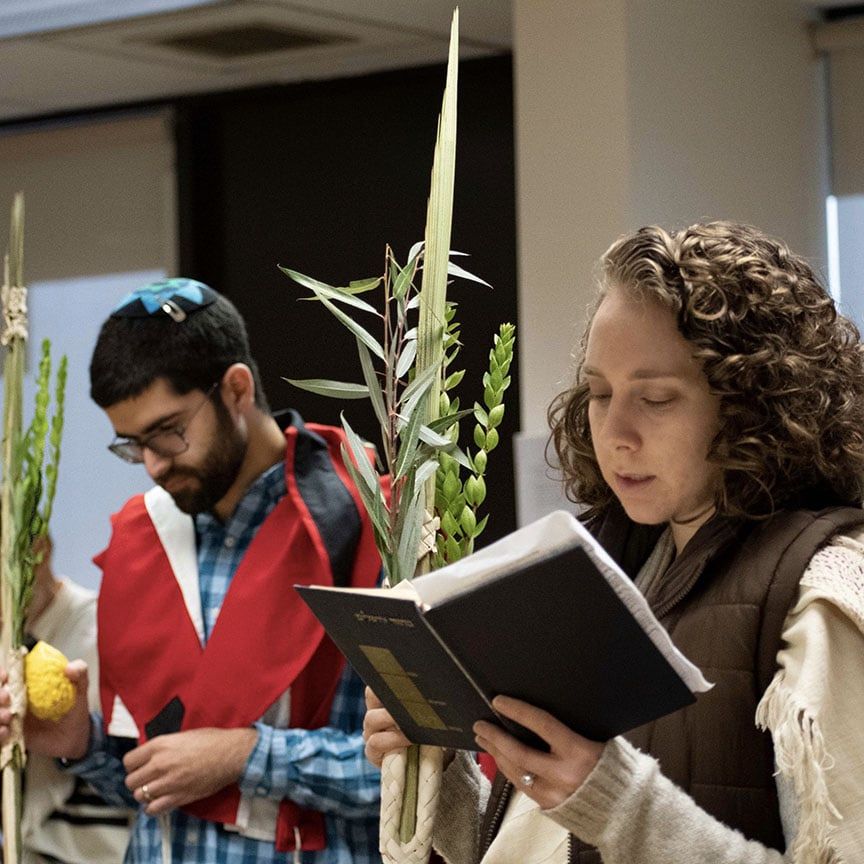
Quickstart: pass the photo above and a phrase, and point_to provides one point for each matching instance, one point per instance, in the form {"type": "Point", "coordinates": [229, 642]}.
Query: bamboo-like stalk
{"type": "Point", "coordinates": [439, 219]}
{"type": "Point", "coordinates": [10, 565]}
{"type": "Point", "coordinates": [431, 324]}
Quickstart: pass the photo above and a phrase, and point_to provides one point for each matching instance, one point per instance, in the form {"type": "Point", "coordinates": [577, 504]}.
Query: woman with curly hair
{"type": "Point", "coordinates": [714, 437]}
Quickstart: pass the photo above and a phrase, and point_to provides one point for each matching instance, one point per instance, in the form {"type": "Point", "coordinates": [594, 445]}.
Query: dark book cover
{"type": "Point", "coordinates": [386, 640]}
{"type": "Point", "coordinates": [551, 631]}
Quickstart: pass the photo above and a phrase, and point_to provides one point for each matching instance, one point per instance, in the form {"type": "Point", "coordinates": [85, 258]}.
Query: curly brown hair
{"type": "Point", "coordinates": [788, 368]}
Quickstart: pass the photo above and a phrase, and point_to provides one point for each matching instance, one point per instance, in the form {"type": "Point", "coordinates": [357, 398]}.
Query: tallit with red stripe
{"type": "Point", "coordinates": [265, 639]}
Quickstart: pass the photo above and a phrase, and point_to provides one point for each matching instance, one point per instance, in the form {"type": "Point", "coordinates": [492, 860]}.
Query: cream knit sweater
{"type": "Point", "coordinates": [634, 815]}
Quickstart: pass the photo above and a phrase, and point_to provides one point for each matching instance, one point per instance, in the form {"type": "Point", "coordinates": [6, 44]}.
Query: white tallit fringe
{"type": "Point", "coordinates": [799, 751]}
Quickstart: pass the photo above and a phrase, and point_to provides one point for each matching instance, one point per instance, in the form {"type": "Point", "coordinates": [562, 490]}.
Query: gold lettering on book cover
{"type": "Point", "coordinates": [366, 618]}
{"type": "Point", "coordinates": [401, 683]}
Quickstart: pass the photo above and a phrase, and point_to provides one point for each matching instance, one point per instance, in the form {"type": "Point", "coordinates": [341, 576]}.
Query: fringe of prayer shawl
{"type": "Point", "coordinates": [800, 755]}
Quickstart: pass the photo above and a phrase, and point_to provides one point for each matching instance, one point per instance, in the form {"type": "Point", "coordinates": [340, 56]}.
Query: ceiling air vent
{"type": "Point", "coordinates": [245, 40]}
{"type": "Point", "coordinates": [225, 44]}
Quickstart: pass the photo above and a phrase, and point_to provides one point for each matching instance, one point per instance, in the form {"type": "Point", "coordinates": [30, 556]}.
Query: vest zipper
{"type": "Point", "coordinates": [497, 816]}
{"type": "Point", "coordinates": [663, 609]}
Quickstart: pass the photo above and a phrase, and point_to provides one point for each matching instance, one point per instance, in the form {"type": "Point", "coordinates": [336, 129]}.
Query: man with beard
{"type": "Point", "coordinates": [245, 725]}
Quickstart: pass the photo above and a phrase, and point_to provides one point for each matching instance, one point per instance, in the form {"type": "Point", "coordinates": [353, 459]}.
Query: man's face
{"type": "Point", "coordinates": [200, 477]}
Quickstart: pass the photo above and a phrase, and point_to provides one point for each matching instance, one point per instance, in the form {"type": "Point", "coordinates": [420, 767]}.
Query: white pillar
{"type": "Point", "coordinates": [631, 112]}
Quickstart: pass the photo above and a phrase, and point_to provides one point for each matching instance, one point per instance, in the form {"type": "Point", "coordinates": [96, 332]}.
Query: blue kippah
{"type": "Point", "coordinates": [176, 298]}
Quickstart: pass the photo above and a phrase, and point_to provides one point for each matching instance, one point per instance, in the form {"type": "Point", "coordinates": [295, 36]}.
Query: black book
{"type": "Point", "coordinates": [543, 614]}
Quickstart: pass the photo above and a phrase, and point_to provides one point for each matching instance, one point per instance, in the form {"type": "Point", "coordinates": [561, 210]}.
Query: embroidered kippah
{"type": "Point", "coordinates": [177, 298]}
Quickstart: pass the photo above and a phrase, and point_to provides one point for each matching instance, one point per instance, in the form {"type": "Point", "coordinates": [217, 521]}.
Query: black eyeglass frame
{"type": "Point", "coordinates": [131, 450]}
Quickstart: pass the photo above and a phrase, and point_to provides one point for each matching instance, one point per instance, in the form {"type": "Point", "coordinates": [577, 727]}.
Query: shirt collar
{"type": "Point", "coordinates": [260, 498]}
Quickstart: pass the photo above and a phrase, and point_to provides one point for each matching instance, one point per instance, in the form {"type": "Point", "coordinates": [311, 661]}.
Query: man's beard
{"type": "Point", "coordinates": [218, 472]}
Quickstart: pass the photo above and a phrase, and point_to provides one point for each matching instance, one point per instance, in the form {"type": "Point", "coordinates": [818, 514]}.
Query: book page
{"type": "Point", "coordinates": [537, 540]}
{"type": "Point", "coordinates": [403, 589]}
{"type": "Point", "coordinates": [553, 533]}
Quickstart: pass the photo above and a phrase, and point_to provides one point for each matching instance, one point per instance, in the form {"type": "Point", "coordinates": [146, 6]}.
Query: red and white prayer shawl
{"type": "Point", "coordinates": [265, 643]}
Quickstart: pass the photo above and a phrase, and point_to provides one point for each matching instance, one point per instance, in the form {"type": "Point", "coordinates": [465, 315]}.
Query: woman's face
{"type": "Point", "coordinates": [651, 414]}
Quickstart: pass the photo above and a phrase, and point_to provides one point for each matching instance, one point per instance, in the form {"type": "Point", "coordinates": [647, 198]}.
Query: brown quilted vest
{"type": "Point", "coordinates": [723, 601]}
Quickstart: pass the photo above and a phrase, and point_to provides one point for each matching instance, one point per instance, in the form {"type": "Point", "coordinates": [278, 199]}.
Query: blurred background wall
{"type": "Point", "coordinates": [219, 139]}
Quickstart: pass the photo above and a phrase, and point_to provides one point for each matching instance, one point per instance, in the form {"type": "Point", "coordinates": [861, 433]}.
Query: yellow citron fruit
{"type": "Point", "coordinates": [50, 694]}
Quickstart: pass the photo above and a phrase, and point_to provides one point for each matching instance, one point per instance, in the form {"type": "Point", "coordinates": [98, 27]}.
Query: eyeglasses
{"type": "Point", "coordinates": [163, 442]}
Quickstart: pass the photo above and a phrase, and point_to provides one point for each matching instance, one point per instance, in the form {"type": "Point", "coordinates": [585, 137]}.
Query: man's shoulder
{"type": "Point", "coordinates": [144, 504]}
{"type": "Point", "coordinates": [130, 506]}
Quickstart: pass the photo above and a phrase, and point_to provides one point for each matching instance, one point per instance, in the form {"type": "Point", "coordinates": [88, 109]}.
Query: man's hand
{"type": "Point", "coordinates": [69, 737]}
{"type": "Point", "coordinates": [172, 770]}
{"type": "Point", "coordinates": [552, 777]}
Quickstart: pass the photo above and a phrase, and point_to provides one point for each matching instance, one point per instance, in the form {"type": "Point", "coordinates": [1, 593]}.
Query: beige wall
{"type": "Point", "coordinates": [99, 195]}
{"type": "Point", "coordinates": [637, 111]}
{"type": "Point", "coordinates": [574, 164]}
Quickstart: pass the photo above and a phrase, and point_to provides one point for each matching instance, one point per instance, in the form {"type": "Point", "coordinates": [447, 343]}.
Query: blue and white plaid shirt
{"type": "Point", "coordinates": [323, 769]}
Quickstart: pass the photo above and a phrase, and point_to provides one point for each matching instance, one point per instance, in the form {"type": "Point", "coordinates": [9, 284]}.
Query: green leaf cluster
{"type": "Point", "coordinates": [33, 476]}
{"type": "Point", "coordinates": [30, 458]}
{"type": "Point", "coordinates": [398, 391]}
{"type": "Point", "coordinates": [413, 452]}
{"type": "Point", "coordinates": [457, 503]}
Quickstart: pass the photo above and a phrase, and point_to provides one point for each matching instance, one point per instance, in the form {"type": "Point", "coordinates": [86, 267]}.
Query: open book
{"type": "Point", "coordinates": [543, 614]}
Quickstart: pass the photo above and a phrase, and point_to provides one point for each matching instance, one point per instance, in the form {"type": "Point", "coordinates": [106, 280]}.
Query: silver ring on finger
{"type": "Point", "coordinates": [145, 792]}
{"type": "Point", "coordinates": [527, 779]}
